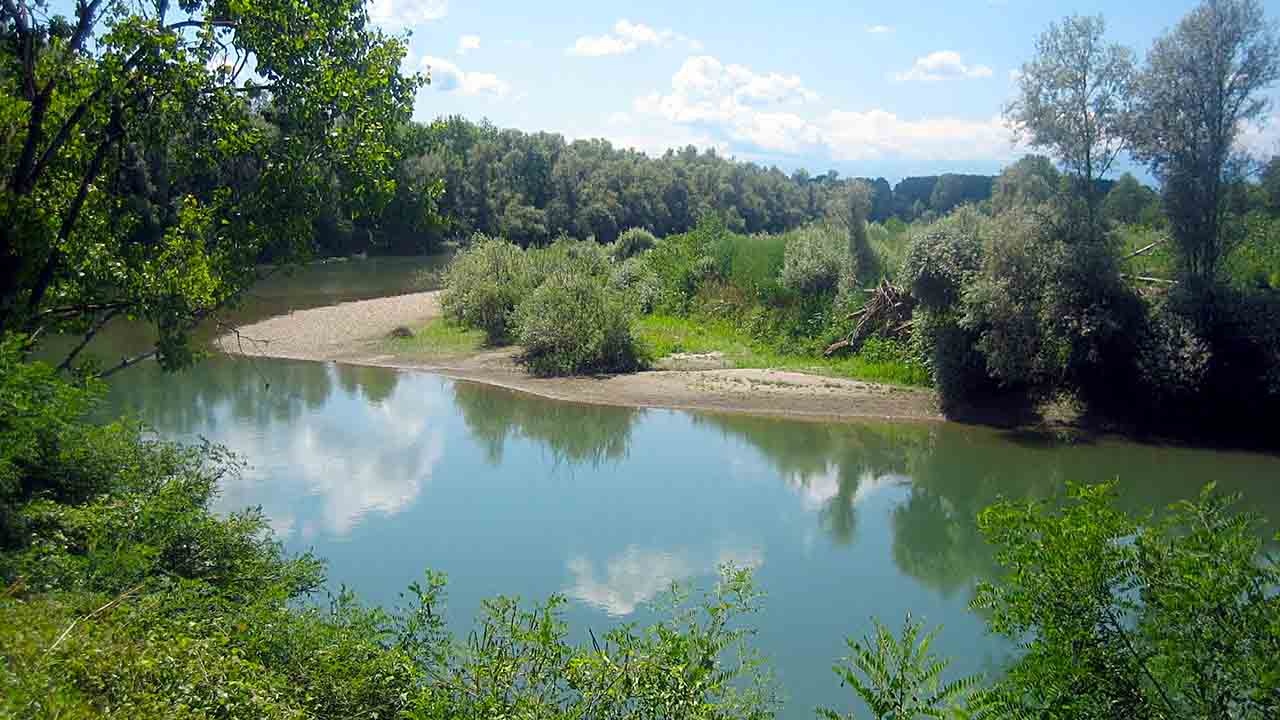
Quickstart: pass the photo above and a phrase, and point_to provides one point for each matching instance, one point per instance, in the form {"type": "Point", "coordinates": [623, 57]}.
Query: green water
{"type": "Point", "coordinates": [389, 473]}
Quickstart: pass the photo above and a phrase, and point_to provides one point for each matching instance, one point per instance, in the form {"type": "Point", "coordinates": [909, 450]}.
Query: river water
{"type": "Point", "coordinates": [387, 473]}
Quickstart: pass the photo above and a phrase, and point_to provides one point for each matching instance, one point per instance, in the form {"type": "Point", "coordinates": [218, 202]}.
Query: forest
{"type": "Point", "coordinates": [149, 177]}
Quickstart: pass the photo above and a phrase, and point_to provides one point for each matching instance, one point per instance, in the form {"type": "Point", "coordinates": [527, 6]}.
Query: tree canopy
{"type": "Point", "coordinates": [156, 153]}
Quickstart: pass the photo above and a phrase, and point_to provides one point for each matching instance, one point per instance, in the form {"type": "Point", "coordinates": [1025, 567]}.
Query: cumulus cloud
{"type": "Point", "coordinates": [879, 29]}
{"type": "Point", "coordinates": [772, 113]}
{"type": "Point", "coordinates": [942, 65]}
{"type": "Point", "coordinates": [406, 13]}
{"type": "Point", "coordinates": [446, 76]}
{"type": "Point", "coordinates": [627, 37]}
{"type": "Point", "coordinates": [745, 103]}
{"type": "Point", "coordinates": [467, 43]}
{"type": "Point", "coordinates": [875, 134]}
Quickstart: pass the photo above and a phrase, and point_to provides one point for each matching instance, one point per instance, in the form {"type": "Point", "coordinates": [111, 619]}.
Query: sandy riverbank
{"type": "Point", "coordinates": [355, 333]}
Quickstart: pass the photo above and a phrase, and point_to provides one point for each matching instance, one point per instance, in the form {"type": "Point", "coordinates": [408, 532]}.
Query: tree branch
{"type": "Point", "coordinates": [88, 337]}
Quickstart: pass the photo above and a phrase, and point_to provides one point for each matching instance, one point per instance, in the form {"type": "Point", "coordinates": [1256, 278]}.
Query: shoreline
{"type": "Point", "coordinates": [354, 333]}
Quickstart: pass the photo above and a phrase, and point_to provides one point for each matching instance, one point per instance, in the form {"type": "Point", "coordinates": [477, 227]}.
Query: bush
{"type": "Point", "coordinates": [943, 259]}
{"type": "Point", "coordinates": [574, 325]}
{"type": "Point", "coordinates": [637, 283]}
{"type": "Point", "coordinates": [681, 262]}
{"type": "Point", "coordinates": [632, 242]}
{"type": "Point", "coordinates": [817, 260]}
{"type": "Point", "coordinates": [484, 284]}
{"type": "Point", "coordinates": [566, 256]}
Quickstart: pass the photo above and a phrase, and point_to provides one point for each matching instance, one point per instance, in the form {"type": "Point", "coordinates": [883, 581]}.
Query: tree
{"type": "Point", "coordinates": [1032, 180]}
{"type": "Point", "coordinates": [158, 153]}
{"type": "Point", "coordinates": [1201, 84]}
{"type": "Point", "coordinates": [1129, 201]}
{"type": "Point", "coordinates": [1072, 101]}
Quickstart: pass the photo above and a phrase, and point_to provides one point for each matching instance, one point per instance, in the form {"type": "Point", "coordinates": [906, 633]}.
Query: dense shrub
{"type": "Point", "coordinates": [817, 260]}
{"type": "Point", "coordinates": [575, 325]}
{"type": "Point", "coordinates": [943, 258]}
{"type": "Point", "coordinates": [683, 261]}
{"type": "Point", "coordinates": [632, 242]}
{"type": "Point", "coordinates": [484, 284]}
{"type": "Point", "coordinates": [637, 283]}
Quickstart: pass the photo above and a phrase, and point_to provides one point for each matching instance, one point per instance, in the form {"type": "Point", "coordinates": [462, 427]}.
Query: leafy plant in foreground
{"type": "Point", "coordinates": [901, 678]}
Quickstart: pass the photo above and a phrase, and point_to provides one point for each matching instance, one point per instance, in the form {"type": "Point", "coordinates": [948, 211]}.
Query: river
{"type": "Point", "coordinates": [387, 473]}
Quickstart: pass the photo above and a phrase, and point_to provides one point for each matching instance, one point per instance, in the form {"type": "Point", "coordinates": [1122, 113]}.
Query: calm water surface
{"type": "Point", "coordinates": [388, 473]}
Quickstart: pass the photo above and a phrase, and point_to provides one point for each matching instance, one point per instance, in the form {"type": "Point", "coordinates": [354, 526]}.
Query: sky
{"type": "Point", "coordinates": [868, 89]}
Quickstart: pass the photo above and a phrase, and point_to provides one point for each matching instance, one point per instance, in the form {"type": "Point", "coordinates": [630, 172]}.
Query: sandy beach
{"type": "Point", "coordinates": [355, 333]}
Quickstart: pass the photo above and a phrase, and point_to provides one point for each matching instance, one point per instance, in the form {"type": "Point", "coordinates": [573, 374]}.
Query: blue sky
{"type": "Point", "coordinates": [890, 89]}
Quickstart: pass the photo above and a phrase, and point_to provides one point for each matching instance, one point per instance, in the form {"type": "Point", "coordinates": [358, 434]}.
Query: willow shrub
{"type": "Point", "coordinates": [573, 325]}
{"type": "Point", "coordinates": [485, 283]}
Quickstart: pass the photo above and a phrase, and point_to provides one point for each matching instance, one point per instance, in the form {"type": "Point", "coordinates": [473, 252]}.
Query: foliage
{"type": "Point", "coordinates": [877, 360]}
{"type": "Point", "coordinates": [632, 242]}
{"type": "Point", "coordinates": [817, 259]}
{"type": "Point", "coordinates": [1072, 100]}
{"type": "Point", "coordinates": [573, 325]}
{"type": "Point", "coordinates": [901, 678]}
{"type": "Point", "coordinates": [681, 262]}
{"type": "Point", "coordinates": [943, 258]}
{"type": "Point", "coordinates": [484, 284]}
{"type": "Point", "coordinates": [1203, 81]}
{"type": "Point", "coordinates": [152, 173]}
{"type": "Point", "coordinates": [637, 283]}
{"type": "Point", "coordinates": [1175, 618]}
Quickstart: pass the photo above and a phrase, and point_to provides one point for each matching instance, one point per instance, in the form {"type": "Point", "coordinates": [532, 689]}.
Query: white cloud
{"type": "Point", "coordinates": [406, 13]}
{"type": "Point", "coordinates": [879, 29]}
{"type": "Point", "coordinates": [707, 91]}
{"type": "Point", "coordinates": [877, 134]}
{"type": "Point", "coordinates": [446, 76]}
{"type": "Point", "coordinates": [1260, 138]}
{"type": "Point", "coordinates": [627, 37]}
{"type": "Point", "coordinates": [467, 43]}
{"type": "Point", "coordinates": [942, 65]}
{"type": "Point", "coordinates": [770, 113]}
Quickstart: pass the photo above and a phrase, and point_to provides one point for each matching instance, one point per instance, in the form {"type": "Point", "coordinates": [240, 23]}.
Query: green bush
{"type": "Point", "coordinates": [637, 283]}
{"type": "Point", "coordinates": [485, 283]}
{"type": "Point", "coordinates": [681, 263]}
{"type": "Point", "coordinates": [632, 242]}
{"type": "Point", "coordinates": [943, 259]}
{"type": "Point", "coordinates": [575, 325]}
{"type": "Point", "coordinates": [817, 260]}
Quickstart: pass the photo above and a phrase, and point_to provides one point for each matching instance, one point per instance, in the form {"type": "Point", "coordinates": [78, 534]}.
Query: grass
{"type": "Point", "coordinates": [667, 334]}
{"type": "Point", "coordinates": [440, 337]}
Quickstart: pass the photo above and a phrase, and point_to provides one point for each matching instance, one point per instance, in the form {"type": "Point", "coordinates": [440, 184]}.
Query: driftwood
{"type": "Point", "coordinates": [887, 313]}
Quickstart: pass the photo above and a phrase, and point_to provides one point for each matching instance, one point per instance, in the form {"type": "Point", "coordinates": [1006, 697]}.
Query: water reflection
{"type": "Point", "coordinates": [326, 444]}
{"type": "Point", "coordinates": [636, 576]}
{"type": "Point", "coordinates": [950, 473]}
{"type": "Point", "coordinates": [571, 432]}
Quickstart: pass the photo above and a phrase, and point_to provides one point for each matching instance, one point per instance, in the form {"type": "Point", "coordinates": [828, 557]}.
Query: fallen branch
{"type": "Point", "coordinates": [119, 599]}
{"type": "Point", "coordinates": [1144, 250]}
{"type": "Point", "coordinates": [1144, 278]}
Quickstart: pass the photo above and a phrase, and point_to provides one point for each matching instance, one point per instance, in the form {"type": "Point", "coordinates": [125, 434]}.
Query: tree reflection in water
{"type": "Point", "coordinates": [573, 432]}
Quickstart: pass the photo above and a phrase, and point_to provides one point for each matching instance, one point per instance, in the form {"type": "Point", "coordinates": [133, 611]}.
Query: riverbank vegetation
{"type": "Point", "coordinates": [1151, 310]}
{"type": "Point", "coordinates": [147, 176]}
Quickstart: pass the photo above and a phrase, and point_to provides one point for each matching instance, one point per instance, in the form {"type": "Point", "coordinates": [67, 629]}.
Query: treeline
{"type": "Point", "coordinates": [534, 187]}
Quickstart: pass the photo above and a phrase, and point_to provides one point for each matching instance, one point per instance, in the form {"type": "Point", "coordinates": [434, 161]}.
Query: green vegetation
{"type": "Point", "coordinates": [563, 304]}
{"type": "Point", "coordinates": [879, 361]}
{"type": "Point", "coordinates": [440, 337]}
